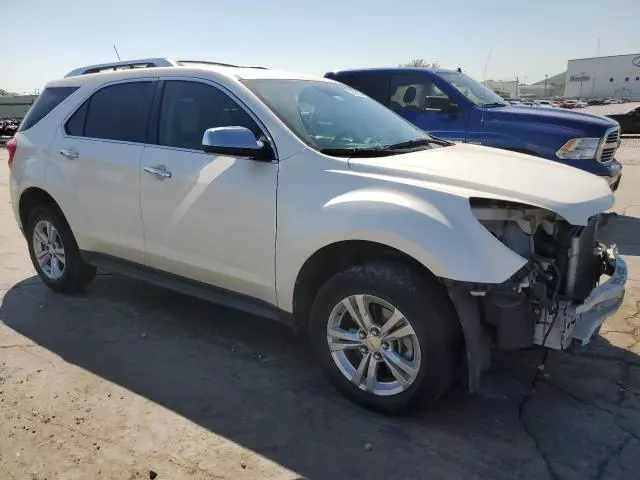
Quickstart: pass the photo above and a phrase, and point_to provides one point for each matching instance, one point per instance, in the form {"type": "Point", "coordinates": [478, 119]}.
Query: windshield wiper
{"type": "Point", "coordinates": [393, 149]}
{"type": "Point", "coordinates": [417, 143]}
{"type": "Point", "coordinates": [358, 152]}
{"type": "Point", "coordinates": [493, 105]}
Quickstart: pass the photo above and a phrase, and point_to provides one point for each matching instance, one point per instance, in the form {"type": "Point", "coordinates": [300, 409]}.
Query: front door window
{"type": "Point", "coordinates": [416, 93]}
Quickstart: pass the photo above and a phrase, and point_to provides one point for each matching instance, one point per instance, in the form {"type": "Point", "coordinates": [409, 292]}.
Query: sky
{"type": "Point", "coordinates": [45, 39]}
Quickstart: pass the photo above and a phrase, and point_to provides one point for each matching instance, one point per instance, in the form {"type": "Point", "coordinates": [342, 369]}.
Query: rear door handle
{"type": "Point", "coordinates": [70, 154]}
{"type": "Point", "coordinates": [160, 171]}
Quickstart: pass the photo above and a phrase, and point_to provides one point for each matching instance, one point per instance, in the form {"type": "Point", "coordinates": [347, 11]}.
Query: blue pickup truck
{"type": "Point", "coordinates": [453, 106]}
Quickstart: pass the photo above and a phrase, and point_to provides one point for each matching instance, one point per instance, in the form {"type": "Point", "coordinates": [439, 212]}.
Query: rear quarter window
{"type": "Point", "coordinates": [49, 99]}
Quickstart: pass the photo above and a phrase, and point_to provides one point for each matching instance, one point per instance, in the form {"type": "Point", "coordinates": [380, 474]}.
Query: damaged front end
{"type": "Point", "coordinates": [561, 296]}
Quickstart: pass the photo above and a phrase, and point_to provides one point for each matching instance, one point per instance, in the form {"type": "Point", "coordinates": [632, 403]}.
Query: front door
{"type": "Point", "coordinates": [417, 98]}
{"type": "Point", "coordinates": [209, 218]}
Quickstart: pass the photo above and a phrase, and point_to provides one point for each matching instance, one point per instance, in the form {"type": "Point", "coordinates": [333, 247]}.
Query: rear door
{"type": "Point", "coordinates": [97, 153]}
{"type": "Point", "coordinates": [416, 97]}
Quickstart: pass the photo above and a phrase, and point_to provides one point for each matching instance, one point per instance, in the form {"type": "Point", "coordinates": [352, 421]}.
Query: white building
{"type": "Point", "coordinates": [16, 106]}
{"type": "Point", "coordinates": [507, 88]}
{"type": "Point", "coordinates": [617, 76]}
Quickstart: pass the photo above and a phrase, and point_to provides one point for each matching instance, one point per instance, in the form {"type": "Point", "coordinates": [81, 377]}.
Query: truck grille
{"type": "Point", "coordinates": [613, 137]}
{"type": "Point", "coordinates": [607, 154]}
{"type": "Point", "coordinates": [609, 145]}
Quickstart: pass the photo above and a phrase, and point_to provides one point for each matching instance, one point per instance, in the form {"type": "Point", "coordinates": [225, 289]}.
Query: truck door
{"type": "Point", "coordinates": [416, 97]}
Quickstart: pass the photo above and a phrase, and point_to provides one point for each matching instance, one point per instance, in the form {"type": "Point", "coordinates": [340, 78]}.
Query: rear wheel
{"type": "Point", "coordinates": [386, 335]}
{"type": "Point", "coordinates": [54, 251]}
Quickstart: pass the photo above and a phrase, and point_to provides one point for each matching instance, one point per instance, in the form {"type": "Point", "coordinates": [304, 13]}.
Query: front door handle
{"type": "Point", "coordinates": [160, 171]}
{"type": "Point", "coordinates": [69, 153]}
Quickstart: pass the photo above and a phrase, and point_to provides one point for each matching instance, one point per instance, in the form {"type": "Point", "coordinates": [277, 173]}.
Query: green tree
{"type": "Point", "coordinates": [3, 92]}
{"type": "Point", "coordinates": [420, 62]}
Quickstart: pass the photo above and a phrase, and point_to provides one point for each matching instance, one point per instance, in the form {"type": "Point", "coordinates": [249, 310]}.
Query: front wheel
{"type": "Point", "coordinates": [386, 335]}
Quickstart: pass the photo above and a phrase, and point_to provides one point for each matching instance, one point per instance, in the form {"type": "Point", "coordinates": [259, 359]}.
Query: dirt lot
{"type": "Point", "coordinates": [129, 379]}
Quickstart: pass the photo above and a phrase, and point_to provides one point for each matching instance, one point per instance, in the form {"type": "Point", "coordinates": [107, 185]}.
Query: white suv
{"type": "Point", "coordinates": [401, 256]}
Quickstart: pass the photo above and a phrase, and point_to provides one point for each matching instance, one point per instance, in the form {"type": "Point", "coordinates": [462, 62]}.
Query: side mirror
{"type": "Point", "coordinates": [451, 109]}
{"type": "Point", "coordinates": [236, 141]}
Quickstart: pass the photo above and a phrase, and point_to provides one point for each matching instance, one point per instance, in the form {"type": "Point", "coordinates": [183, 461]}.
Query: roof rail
{"type": "Point", "coordinates": [144, 63]}
{"type": "Point", "coordinates": [219, 64]}
{"type": "Point", "coordinates": [129, 64]}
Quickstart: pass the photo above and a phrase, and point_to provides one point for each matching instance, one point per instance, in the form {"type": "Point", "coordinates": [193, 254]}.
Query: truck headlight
{"type": "Point", "coordinates": [579, 149]}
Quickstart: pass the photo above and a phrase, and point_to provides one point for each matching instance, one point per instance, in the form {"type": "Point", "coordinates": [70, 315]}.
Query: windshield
{"type": "Point", "coordinates": [474, 91]}
{"type": "Point", "coordinates": [331, 117]}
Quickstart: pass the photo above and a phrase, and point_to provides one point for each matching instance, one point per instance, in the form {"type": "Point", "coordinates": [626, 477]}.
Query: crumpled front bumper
{"type": "Point", "coordinates": [579, 322]}
{"type": "Point", "coordinates": [604, 301]}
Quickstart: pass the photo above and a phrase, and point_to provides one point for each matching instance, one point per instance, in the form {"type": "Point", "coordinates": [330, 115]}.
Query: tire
{"type": "Point", "coordinates": [426, 308]}
{"type": "Point", "coordinates": [72, 275]}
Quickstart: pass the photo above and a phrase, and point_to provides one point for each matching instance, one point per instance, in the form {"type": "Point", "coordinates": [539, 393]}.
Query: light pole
{"type": "Point", "coordinates": [545, 85]}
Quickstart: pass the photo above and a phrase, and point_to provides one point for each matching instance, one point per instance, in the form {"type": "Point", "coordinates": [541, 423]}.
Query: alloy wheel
{"type": "Point", "coordinates": [373, 344]}
{"type": "Point", "coordinates": [49, 250]}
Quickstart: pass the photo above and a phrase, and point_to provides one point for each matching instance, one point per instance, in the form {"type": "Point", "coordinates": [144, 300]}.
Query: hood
{"type": "Point", "coordinates": [474, 171]}
{"type": "Point", "coordinates": [592, 124]}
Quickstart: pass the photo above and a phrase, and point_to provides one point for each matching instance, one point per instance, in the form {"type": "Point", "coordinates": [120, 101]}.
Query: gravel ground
{"type": "Point", "coordinates": [131, 381]}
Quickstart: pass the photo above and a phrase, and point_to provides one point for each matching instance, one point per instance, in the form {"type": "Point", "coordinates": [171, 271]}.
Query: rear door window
{"type": "Point", "coordinates": [75, 125]}
{"type": "Point", "coordinates": [373, 84]}
{"type": "Point", "coordinates": [49, 99]}
{"type": "Point", "coordinates": [117, 112]}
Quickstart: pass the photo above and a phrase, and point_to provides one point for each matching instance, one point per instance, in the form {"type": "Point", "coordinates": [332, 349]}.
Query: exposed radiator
{"type": "Point", "coordinates": [583, 265]}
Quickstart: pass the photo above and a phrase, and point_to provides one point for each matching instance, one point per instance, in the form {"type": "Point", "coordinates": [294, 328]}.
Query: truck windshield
{"type": "Point", "coordinates": [474, 91]}
{"type": "Point", "coordinates": [338, 120]}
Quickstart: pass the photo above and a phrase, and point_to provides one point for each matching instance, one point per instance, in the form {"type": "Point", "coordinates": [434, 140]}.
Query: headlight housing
{"type": "Point", "coordinates": [579, 149]}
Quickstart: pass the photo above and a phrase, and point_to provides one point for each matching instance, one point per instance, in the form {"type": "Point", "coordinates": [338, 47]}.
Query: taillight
{"type": "Point", "coordinates": [12, 146]}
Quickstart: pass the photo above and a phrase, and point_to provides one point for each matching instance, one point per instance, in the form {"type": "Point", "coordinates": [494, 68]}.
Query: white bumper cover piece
{"type": "Point", "coordinates": [604, 301]}
{"type": "Point", "coordinates": [579, 322]}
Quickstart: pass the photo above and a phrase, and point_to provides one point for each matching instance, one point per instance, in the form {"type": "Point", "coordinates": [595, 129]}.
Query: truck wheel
{"type": "Point", "coordinates": [386, 335]}
{"type": "Point", "coordinates": [54, 251]}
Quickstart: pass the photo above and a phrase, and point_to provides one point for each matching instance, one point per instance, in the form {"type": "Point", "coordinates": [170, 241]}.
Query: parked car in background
{"type": "Point", "coordinates": [404, 258]}
{"type": "Point", "coordinates": [9, 126]}
{"type": "Point", "coordinates": [581, 104]}
{"type": "Point", "coordinates": [629, 122]}
{"type": "Point", "coordinates": [545, 103]}
{"type": "Point", "coordinates": [451, 105]}
{"type": "Point", "coordinates": [568, 104]}
{"type": "Point", "coordinates": [595, 101]}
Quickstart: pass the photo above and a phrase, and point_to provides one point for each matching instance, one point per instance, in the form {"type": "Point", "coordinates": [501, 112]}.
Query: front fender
{"type": "Point", "coordinates": [446, 239]}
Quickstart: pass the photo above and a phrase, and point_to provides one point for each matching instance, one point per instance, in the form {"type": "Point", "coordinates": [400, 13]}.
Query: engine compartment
{"type": "Point", "coordinates": [564, 265]}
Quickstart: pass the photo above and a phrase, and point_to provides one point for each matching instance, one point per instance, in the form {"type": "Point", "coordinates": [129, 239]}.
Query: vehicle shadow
{"type": "Point", "coordinates": [253, 382]}
{"type": "Point", "coordinates": [624, 231]}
